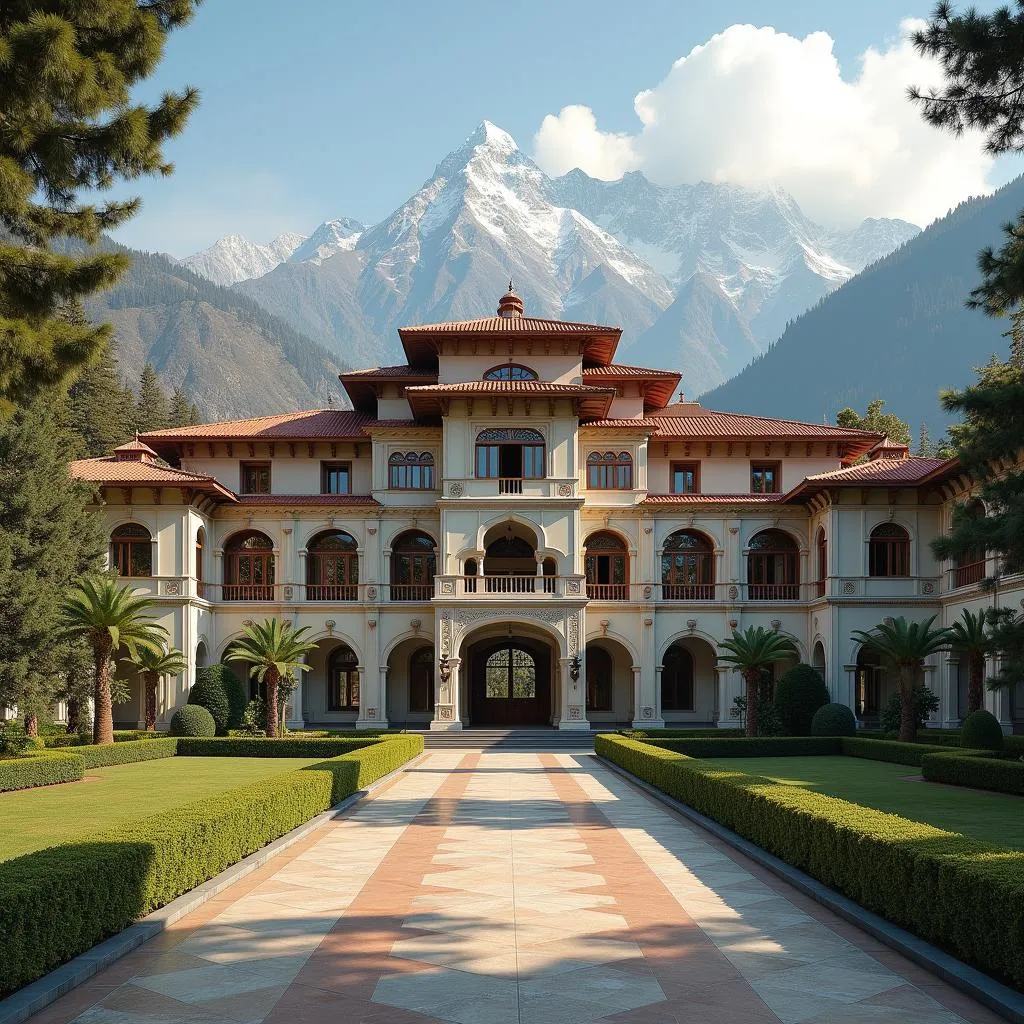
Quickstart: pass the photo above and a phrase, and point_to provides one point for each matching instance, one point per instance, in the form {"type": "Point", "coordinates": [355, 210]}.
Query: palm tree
{"type": "Point", "coordinates": [969, 636]}
{"type": "Point", "coordinates": [109, 617]}
{"type": "Point", "coordinates": [153, 664]}
{"type": "Point", "coordinates": [273, 649]}
{"type": "Point", "coordinates": [905, 645]}
{"type": "Point", "coordinates": [752, 652]}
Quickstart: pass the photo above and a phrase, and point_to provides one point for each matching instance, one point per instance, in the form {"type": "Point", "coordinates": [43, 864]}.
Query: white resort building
{"type": "Point", "coordinates": [513, 529]}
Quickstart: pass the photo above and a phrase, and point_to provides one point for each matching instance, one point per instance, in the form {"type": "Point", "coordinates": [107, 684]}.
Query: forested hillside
{"type": "Point", "coordinates": [898, 330]}
{"type": "Point", "coordinates": [229, 354]}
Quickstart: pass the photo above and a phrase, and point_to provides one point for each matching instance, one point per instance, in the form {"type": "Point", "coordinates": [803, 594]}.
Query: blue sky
{"type": "Point", "coordinates": [320, 109]}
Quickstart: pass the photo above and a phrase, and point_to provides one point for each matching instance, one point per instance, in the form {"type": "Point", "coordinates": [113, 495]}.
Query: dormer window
{"type": "Point", "coordinates": [510, 371]}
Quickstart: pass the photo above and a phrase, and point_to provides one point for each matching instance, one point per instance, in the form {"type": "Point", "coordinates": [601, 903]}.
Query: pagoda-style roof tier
{"type": "Point", "coordinates": [112, 471]}
{"type": "Point", "coordinates": [312, 424]}
{"type": "Point", "coordinates": [588, 402]}
{"type": "Point", "coordinates": [364, 386]}
{"type": "Point", "coordinates": [658, 385]}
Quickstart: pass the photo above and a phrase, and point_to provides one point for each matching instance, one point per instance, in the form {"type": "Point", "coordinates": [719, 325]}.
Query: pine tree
{"type": "Point", "coordinates": [181, 412]}
{"type": "Point", "coordinates": [875, 419]}
{"type": "Point", "coordinates": [924, 442]}
{"type": "Point", "coordinates": [48, 537]}
{"type": "Point", "coordinates": [69, 125]}
{"type": "Point", "coordinates": [151, 411]}
{"type": "Point", "coordinates": [193, 416]}
{"type": "Point", "coordinates": [97, 410]}
{"type": "Point", "coordinates": [982, 56]}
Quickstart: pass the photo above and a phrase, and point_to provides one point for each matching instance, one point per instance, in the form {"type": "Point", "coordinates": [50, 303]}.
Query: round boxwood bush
{"type": "Point", "coordinates": [193, 720]}
{"type": "Point", "coordinates": [833, 720]}
{"type": "Point", "coordinates": [981, 730]}
{"type": "Point", "coordinates": [222, 693]}
{"type": "Point", "coordinates": [799, 692]}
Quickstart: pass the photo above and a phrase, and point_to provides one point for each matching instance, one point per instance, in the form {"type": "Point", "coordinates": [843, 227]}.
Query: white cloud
{"type": "Point", "coordinates": [758, 107]}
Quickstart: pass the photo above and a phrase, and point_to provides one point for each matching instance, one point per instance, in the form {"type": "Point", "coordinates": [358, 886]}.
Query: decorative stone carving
{"type": "Point", "coordinates": [371, 713]}
{"type": "Point", "coordinates": [734, 592]}
{"type": "Point", "coordinates": [564, 490]}
{"type": "Point", "coordinates": [849, 587]}
{"type": "Point", "coordinates": [455, 489]}
{"type": "Point", "coordinates": [330, 624]}
{"type": "Point", "coordinates": [572, 587]}
{"type": "Point", "coordinates": [928, 588]}
{"type": "Point", "coordinates": [371, 593]}
{"type": "Point", "coordinates": [372, 530]}
{"type": "Point", "coordinates": [446, 713]}
{"type": "Point", "coordinates": [289, 593]}
{"type": "Point", "coordinates": [467, 616]}
{"type": "Point", "coordinates": [172, 588]}
{"type": "Point", "coordinates": [446, 635]}
{"type": "Point", "coordinates": [574, 634]}
{"type": "Point", "coordinates": [647, 713]}
{"type": "Point", "coordinates": [447, 587]}
{"type": "Point", "coordinates": [647, 593]}
{"type": "Point", "coordinates": [575, 713]}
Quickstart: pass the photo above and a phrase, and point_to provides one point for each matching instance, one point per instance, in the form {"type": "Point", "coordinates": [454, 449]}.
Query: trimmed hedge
{"type": "Point", "coordinates": [126, 753]}
{"type": "Point", "coordinates": [39, 768]}
{"type": "Point", "coordinates": [758, 746]}
{"type": "Point", "coordinates": [954, 891]}
{"type": "Point", "coordinates": [193, 720]}
{"type": "Point", "coordinates": [833, 720]}
{"type": "Point", "coordinates": [61, 901]}
{"type": "Point", "coordinates": [980, 772]}
{"type": "Point", "coordinates": [262, 746]}
{"type": "Point", "coordinates": [981, 730]}
{"type": "Point", "coordinates": [888, 750]}
{"type": "Point", "coordinates": [63, 739]}
{"type": "Point", "coordinates": [799, 692]}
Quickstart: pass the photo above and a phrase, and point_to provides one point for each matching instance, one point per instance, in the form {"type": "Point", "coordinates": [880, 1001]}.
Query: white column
{"type": "Point", "coordinates": [574, 713]}
{"type": "Point", "coordinates": [446, 699]}
{"type": "Point", "coordinates": [293, 713]}
{"type": "Point", "coordinates": [949, 712]}
{"type": "Point", "coordinates": [935, 720]}
{"type": "Point", "coordinates": [850, 699]}
{"type": "Point", "coordinates": [638, 721]}
{"type": "Point", "coordinates": [725, 720]}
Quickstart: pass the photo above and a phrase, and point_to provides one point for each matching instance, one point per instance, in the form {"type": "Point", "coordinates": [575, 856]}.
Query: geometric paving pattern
{"type": "Point", "coordinates": [512, 888]}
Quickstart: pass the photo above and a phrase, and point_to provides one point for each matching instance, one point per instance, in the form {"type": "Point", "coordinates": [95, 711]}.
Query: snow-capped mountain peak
{"type": "Point", "coordinates": [235, 258]}
{"type": "Point", "coordinates": [330, 237]}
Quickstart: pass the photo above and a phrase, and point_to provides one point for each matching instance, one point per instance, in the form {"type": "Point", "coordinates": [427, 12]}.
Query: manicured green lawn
{"type": "Point", "coordinates": [994, 817]}
{"type": "Point", "coordinates": [32, 819]}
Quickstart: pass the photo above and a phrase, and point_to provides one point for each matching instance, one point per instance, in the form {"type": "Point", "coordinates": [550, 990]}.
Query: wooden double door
{"type": "Point", "coordinates": [510, 683]}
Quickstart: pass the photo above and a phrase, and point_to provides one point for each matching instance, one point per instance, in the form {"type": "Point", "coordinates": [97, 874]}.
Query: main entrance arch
{"type": "Point", "coordinates": [509, 679]}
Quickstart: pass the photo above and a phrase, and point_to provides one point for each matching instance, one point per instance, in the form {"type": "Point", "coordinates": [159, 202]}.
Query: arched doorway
{"type": "Point", "coordinates": [510, 559]}
{"type": "Point", "coordinates": [332, 567]}
{"type": "Point", "coordinates": [606, 562]}
{"type": "Point", "coordinates": [688, 685]}
{"type": "Point", "coordinates": [249, 567]}
{"type": "Point", "coordinates": [609, 682]}
{"type": "Point", "coordinates": [818, 660]}
{"type": "Point", "coordinates": [872, 688]}
{"type": "Point", "coordinates": [773, 571]}
{"type": "Point", "coordinates": [413, 565]}
{"type": "Point", "coordinates": [410, 683]}
{"type": "Point", "coordinates": [510, 681]}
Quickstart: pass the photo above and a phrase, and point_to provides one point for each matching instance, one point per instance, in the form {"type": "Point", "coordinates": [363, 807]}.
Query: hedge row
{"type": "Point", "coordinates": [979, 771]}
{"type": "Point", "coordinates": [760, 746]}
{"type": "Point", "coordinates": [39, 768]}
{"type": "Point", "coordinates": [59, 902]}
{"type": "Point", "coordinates": [125, 753]}
{"type": "Point", "coordinates": [888, 750]}
{"type": "Point", "coordinates": [952, 890]}
{"type": "Point", "coordinates": [260, 746]}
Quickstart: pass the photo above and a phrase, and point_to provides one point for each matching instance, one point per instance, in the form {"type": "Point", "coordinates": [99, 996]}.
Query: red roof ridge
{"type": "Point", "coordinates": [667, 414]}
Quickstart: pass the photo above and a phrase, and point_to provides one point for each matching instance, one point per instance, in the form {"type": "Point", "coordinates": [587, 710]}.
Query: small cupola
{"type": "Point", "coordinates": [888, 449]}
{"type": "Point", "coordinates": [510, 304]}
{"type": "Point", "coordinates": [135, 451]}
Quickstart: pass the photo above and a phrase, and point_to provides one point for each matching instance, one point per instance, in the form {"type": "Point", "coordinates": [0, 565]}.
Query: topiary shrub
{"type": "Point", "coordinates": [833, 720]}
{"type": "Point", "coordinates": [981, 731]}
{"type": "Point", "coordinates": [925, 702]}
{"type": "Point", "coordinates": [193, 720]}
{"type": "Point", "coordinates": [798, 694]}
{"type": "Point", "coordinates": [222, 693]}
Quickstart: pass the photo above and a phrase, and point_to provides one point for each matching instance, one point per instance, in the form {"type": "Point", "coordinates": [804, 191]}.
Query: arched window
{"type": "Point", "coordinates": [413, 565]}
{"type": "Point", "coordinates": [599, 679]}
{"type": "Point", "coordinates": [510, 563]}
{"type": "Point", "coordinates": [606, 562]}
{"type": "Point", "coordinates": [510, 673]}
{"type": "Point", "coordinates": [773, 572]}
{"type": "Point", "coordinates": [970, 566]}
{"type": "Point", "coordinates": [510, 371]}
{"type": "Point", "coordinates": [889, 551]}
{"type": "Point", "coordinates": [249, 567]}
{"type": "Point", "coordinates": [421, 680]}
{"type": "Point", "coordinates": [469, 574]}
{"type": "Point", "coordinates": [510, 455]}
{"type": "Point", "coordinates": [677, 689]}
{"type": "Point", "coordinates": [687, 567]}
{"type": "Point", "coordinates": [610, 471]}
{"type": "Point", "coordinates": [411, 471]}
{"type": "Point", "coordinates": [200, 560]}
{"type": "Point", "coordinates": [332, 567]}
{"type": "Point", "coordinates": [343, 680]}
{"type": "Point", "coordinates": [821, 543]}
{"type": "Point", "coordinates": [131, 550]}
{"type": "Point", "coordinates": [550, 570]}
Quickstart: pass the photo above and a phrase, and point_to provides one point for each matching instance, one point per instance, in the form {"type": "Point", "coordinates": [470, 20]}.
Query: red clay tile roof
{"type": "Point", "coordinates": [646, 423]}
{"type": "Point", "coordinates": [308, 499]}
{"type": "Point", "coordinates": [507, 324]}
{"type": "Point", "coordinates": [404, 370]}
{"type": "Point", "coordinates": [881, 471]}
{"type": "Point", "coordinates": [502, 387]}
{"type": "Point", "coordinates": [135, 445]}
{"type": "Point", "coordinates": [659, 384]}
{"type": "Point", "coordinates": [622, 370]}
{"type": "Point", "coordinates": [125, 473]}
{"type": "Point", "coordinates": [329, 424]}
{"type": "Point", "coordinates": [714, 499]}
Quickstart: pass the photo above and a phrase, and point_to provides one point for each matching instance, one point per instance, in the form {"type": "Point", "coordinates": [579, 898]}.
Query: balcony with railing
{"type": "Point", "coordinates": [968, 574]}
{"type": "Point", "coordinates": [496, 487]}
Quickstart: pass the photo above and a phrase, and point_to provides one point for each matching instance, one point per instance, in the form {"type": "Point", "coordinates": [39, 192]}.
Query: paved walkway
{"type": "Point", "coordinates": [512, 888]}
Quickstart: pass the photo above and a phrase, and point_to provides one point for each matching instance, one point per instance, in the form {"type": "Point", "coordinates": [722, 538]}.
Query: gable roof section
{"type": "Point", "coordinates": [658, 385]}
{"type": "Point", "coordinates": [908, 471]}
{"type": "Point", "coordinates": [326, 424]}
{"type": "Point", "coordinates": [362, 385]}
{"type": "Point", "coordinates": [592, 402]}
{"type": "Point", "coordinates": [112, 471]}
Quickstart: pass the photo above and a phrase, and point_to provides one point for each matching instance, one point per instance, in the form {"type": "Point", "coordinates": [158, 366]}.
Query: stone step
{"type": "Point", "coordinates": [507, 739]}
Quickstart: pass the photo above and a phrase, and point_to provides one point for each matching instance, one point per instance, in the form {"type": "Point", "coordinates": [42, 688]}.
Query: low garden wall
{"type": "Point", "coordinates": [954, 891]}
{"type": "Point", "coordinates": [61, 901]}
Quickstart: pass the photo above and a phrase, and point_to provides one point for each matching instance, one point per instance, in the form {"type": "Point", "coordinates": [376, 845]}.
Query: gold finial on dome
{"type": "Point", "coordinates": [510, 304]}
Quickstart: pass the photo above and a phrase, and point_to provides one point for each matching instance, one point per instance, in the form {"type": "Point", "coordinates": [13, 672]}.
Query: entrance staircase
{"type": "Point", "coordinates": [509, 740]}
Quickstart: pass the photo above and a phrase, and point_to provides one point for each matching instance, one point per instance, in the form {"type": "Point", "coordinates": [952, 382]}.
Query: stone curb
{"type": "Point", "coordinates": [45, 990]}
{"type": "Point", "coordinates": [1000, 998]}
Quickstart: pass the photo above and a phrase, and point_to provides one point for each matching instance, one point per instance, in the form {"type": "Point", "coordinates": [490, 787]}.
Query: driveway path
{"type": "Point", "coordinates": [512, 888]}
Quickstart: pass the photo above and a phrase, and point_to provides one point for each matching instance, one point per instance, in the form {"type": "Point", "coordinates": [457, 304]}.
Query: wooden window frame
{"type": "Point", "coordinates": [121, 551]}
{"type": "Point", "coordinates": [401, 469]}
{"type": "Point", "coordinates": [762, 465]}
{"type": "Point", "coordinates": [682, 467]}
{"type": "Point", "coordinates": [614, 557]}
{"type": "Point", "coordinates": [261, 563]}
{"type": "Point", "coordinates": [348, 700]}
{"type": "Point", "coordinates": [765, 561]}
{"type": "Point", "coordinates": [890, 554]}
{"type": "Point", "coordinates": [332, 466]}
{"type": "Point", "coordinates": [688, 573]}
{"type": "Point", "coordinates": [255, 465]}
{"type": "Point", "coordinates": [420, 562]}
{"type": "Point", "coordinates": [499, 372]}
{"type": "Point", "coordinates": [610, 474]}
